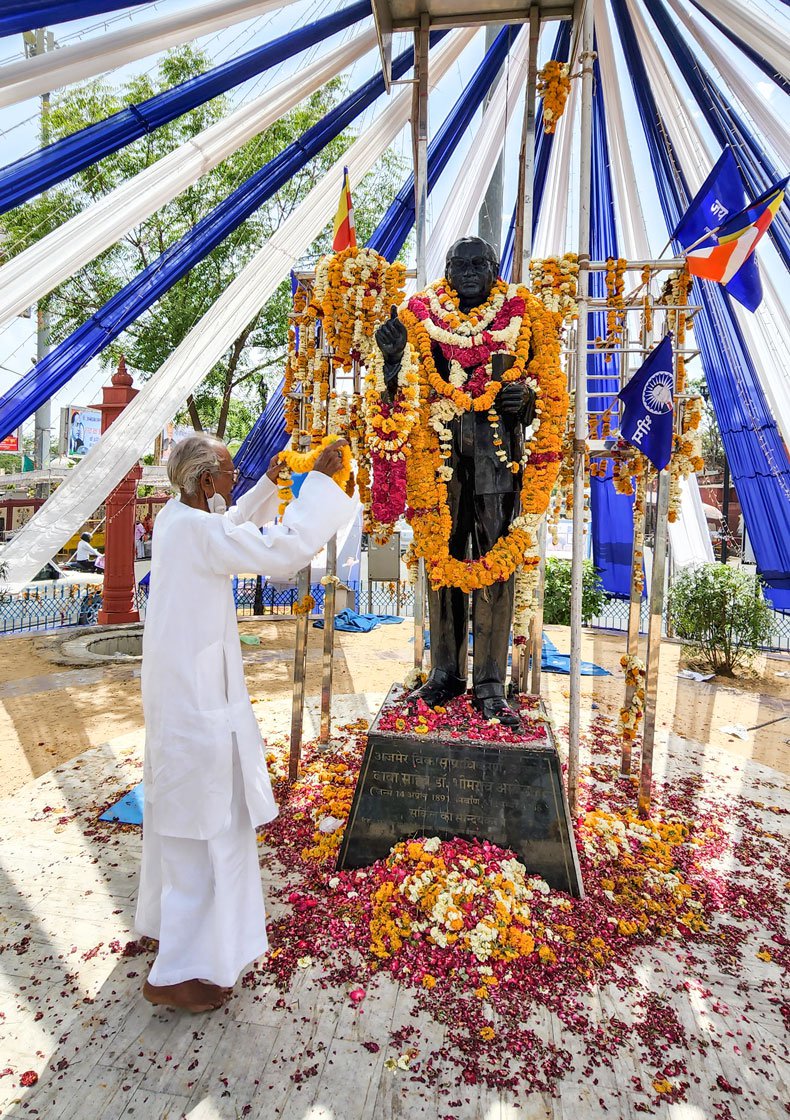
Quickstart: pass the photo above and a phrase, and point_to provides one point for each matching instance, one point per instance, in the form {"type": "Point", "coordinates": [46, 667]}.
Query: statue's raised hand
{"type": "Point", "coordinates": [516, 401]}
{"type": "Point", "coordinates": [391, 338]}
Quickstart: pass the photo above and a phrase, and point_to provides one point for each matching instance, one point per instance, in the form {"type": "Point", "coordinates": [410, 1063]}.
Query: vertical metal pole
{"type": "Point", "coordinates": [39, 42]}
{"type": "Point", "coordinates": [529, 140]}
{"type": "Point", "coordinates": [637, 552]}
{"type": "Point", "coordinates": [580, 404]}
{"type": "Point", "coordinates": [420, 135]}
{"type": "Point", "coordinates": [537, 617]}
{"type": "Point", "coordinates": [654, 641]}
{"type": "Point", "coordinates": [300, 671]}
{"type": "Point", "coordinates": [330, 595]}
{"type": "Point", "coordinates": [489, 218]}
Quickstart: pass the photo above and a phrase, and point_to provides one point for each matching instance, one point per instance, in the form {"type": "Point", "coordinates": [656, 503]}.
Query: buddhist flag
{"type": "Point", "coordinates": [648, 405]}
{"type": "Point", "coordinates": [722, 255]}
{"type": "Point", "coordinates": [345, 233]}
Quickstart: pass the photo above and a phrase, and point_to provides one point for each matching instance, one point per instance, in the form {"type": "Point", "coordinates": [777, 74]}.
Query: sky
{"type": "Point", "coordinates": [19, 133]}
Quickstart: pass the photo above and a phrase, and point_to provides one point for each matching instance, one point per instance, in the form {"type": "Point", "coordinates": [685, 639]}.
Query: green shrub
{"type": "Point", "coordinates": [557, 598]}
{"type": "Point", "coordinates": [719, 612]}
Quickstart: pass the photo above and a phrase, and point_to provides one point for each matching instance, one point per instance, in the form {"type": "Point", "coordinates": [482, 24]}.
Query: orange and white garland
{"type": "Point", "coordinates": [554, 85]}
{"type": "Point", "coordinates": [512, 321]}
{"type": "Point", "coordinates": [631, 717]}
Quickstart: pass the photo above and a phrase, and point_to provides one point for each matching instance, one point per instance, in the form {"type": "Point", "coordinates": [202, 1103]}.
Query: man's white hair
{"type": "Point", "coordinates": [190, 458]}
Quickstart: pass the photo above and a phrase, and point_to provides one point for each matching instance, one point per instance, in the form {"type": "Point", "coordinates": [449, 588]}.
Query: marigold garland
{"type": "Point", "coordinates": [514, 321]}
{"type": "Point", "coordinates": [554, 85]}
{"type": "Point", "coordinates": [631, 716]}
{"type": "Point", "coordinates": [301, 462]}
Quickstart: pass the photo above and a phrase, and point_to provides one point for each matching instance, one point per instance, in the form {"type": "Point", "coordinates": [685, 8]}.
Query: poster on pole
{"type": "Point", "coordinates": [80, 430]}
{"type": "Point", "coordinates": [171, 435]}
{"type": "Point", "coordinates": [10, 443]}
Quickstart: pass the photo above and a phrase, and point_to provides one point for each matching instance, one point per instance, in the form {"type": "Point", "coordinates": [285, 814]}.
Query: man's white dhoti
{"type": "Point", "coordinates": [203, 900]}
{"type": "Point", "coordinates": [206, 783]}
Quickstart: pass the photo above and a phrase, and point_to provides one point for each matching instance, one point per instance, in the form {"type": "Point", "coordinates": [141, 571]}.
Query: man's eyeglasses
{"type": "Point", "coordinates": [236, 473]}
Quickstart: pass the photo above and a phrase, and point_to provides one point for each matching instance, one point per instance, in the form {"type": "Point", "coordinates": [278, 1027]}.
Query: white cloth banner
{"type": "Point", "coordinates": [768, 327]}
{"type": "Point", "coordinates": [459, 213]}
{"type": "Point", "coordinates": [688, 535]}
{"type": "Point", "coordinates": [769, 125]}
{"type": "Point", "coordinates": [39, 269]}
{"type": "Point", "coordinates": [159, 399]}
{"type": "Point", "coordinates": [55, 69]}
{"type": "Point", "coordinates": [756, 28]}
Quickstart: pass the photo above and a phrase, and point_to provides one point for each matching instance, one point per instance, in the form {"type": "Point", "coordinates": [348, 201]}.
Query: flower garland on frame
{"type": "Point", "coordinates": [554, 85]}
{"type": "Point", "coordinates": [389, 429]}
{"type": "Point", "coordinates": [615, 315]}
{"type": "Point", "coordinates": [301, 462]}
{"type": "Point", "coordinates": [354, 290]}
{"type": "Point", "coordinates": [631, 717]}
{"type": "Point", "coordinates": [514, 321]}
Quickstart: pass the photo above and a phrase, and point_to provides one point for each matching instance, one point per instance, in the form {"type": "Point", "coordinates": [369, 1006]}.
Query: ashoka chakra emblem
{"type": "Point", "coordinates": [658, 392]}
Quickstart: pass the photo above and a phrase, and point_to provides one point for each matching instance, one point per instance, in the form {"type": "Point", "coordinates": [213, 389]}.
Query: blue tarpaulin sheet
{"type": "Point", "coordinates": [354, 623]}
{"type": "Point", "coordinates": [129, 810]}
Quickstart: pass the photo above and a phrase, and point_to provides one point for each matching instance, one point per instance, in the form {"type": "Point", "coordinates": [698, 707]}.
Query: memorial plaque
{"type": "Point", "coordinates": [444, 784]}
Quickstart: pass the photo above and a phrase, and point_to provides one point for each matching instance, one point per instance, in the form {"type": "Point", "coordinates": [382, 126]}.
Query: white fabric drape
{"type": "Point", "coordinates": [757, 29]}
{"type": "Point", "coordinates": [689, 536]}
{"type": "Point", "coordinates": [160, 398]}
{"type": "Point", "coordinates": [459, 213]}
{"type": "Point", "coordinates": [46, 72]}
{"type": "Point", "coordinates": [39, 269]}
{"type": "Point", "coordinates": [551, 232]}
{"type": "Point", "coordinates": [768, 123]}
{"type": "Point", "coordinates": [768, 326]}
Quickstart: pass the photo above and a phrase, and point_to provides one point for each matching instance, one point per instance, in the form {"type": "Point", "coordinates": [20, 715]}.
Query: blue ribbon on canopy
{"type": "Point", "coordinates": [543, 145]}
{"type": "Point", "coordinates": [612, 520]}
{"type": "Point", "coordinates": [393, 229]}
{"type": "Point", "coordinates": [726, 124]}
{"type": "Point", "coordinates": [24, 15]}
{"type": "Point", "coordinates": [268, 433]}
{"type": "Point", "coordinates": [35, 173]}
{"type": "Point", "coordinates": [754, 449]}
{"type": "Point", "coordinates": [750, 53]}
{"type": "Point", "coordinates": [53, 371]}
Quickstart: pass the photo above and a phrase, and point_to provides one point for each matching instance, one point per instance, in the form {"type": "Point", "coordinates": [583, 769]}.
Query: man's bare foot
{"type": "Point", "coordinates": [194, 996]}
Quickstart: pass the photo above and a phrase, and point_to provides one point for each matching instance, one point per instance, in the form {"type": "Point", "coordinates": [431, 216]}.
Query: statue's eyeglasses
{"type": "Point", "coordinates": [479, 264]}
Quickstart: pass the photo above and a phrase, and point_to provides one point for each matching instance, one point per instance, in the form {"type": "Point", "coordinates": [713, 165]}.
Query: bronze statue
{"type": "Point", "coordinates": [483, 484]}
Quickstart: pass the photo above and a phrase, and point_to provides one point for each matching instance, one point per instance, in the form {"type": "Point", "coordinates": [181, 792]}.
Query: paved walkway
{"type": "Point", "coordinates": [78, 1042]}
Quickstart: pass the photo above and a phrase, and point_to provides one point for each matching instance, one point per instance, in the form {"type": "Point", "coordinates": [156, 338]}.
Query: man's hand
{"type": "Point", "coordinates": [273, 470]}
{"type": "Point", "coordinates": [331, 458]}
{"type": "Point", "coordinates": [391, 337]}
{"type": "Point", "coordinates": [516, 401]}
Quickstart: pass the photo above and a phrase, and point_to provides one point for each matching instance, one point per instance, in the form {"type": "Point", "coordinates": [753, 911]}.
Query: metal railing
{"type": "Point", "coordinates": [55, 607]}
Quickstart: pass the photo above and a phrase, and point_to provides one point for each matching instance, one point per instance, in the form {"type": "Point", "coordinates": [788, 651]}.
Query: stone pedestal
{"type": "Point", "coordinates": [118, 602]}
{"type": "Point", "coordinates": [447, 784]}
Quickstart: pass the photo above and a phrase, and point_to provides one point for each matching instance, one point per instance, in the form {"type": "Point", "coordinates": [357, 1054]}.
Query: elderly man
{"type": "Point", "coordinates": [206, 783]}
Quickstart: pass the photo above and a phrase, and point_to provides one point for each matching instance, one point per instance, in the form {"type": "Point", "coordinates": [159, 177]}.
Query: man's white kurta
{"type": "Point", "coordinates": [194, 695]}
{"type": "Point", "coordinates": [206, 782]}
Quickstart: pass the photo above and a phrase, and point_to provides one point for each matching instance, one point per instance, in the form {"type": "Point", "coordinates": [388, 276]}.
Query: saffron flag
{"type": "Point", "coordinates": [648, 397]}
{"type": "Point", "coordinates": [722, 255]}
{"type": "Point", "coordinates": [718, 199]}
{"type": "Point", "coordinates": [345, 232]}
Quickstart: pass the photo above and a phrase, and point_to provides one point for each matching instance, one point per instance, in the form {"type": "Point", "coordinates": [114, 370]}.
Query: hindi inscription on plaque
{"type": "Point", "coordinates": [448, 785]}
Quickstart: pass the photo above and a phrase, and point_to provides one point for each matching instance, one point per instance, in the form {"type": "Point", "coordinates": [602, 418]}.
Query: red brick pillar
{"type": "Point", "coordinates": [118, 603]}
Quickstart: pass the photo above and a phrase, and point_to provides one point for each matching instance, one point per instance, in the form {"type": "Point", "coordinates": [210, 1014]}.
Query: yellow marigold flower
{"type": "Point", "coordinates": [663, 1085]}
{"type": "Point", "coordinates": [487, 1033]}
{"type": "Point", "coordinates": [428, 981]}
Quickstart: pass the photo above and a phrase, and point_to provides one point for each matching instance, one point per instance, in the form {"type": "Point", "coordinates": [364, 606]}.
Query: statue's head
{"type": "Point", "coordinates": [472, 267]}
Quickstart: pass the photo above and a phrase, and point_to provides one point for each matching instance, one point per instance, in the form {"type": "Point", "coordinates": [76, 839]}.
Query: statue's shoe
{"type": "Point", "coordinates": [438, 689]}
{"type": "Point", "coordinates": [497, 707]}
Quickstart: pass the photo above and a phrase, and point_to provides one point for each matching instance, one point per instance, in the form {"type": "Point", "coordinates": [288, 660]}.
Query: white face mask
{"type": "Point", "coordinates": [216, 503]}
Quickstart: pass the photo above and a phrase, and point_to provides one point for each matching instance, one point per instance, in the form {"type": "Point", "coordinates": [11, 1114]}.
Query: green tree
{"type": "Point", "coordinates": [720, 613]}
{"type": "Point", "coordinates": [230, 397]}
{"type": "Point", "coordinates": [557, 594]}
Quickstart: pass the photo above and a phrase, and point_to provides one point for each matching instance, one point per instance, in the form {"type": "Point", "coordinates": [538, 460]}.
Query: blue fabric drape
{"type": "Point", "coordinates": [544, 142]}
{"type": "Point", "coordinates": [612, 521]}
{"type": "Point", "coordinates": [750, 53]}
{"type": "Point", "coordinates": [65, 360]}
{"type": "Point", "coordinates": [24, 15]}
{"type": "Point", "coordinates": [393, 229]}
{"type": "Point", "coordinates": [727, 125]}
{"type": "Point", "coordinates": [33, 174]}
{"type": "Point", "coordinates": [755, 452]}
{"type": "Point", "coordinates": [267, 437]}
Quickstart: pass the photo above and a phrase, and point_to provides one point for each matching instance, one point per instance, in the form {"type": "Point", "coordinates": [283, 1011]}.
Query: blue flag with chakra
{"type": "Point", "coordinates": [648, 414]}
